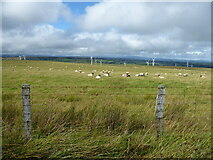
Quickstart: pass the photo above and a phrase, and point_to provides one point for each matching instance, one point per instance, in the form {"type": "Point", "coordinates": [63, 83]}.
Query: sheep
{"type": "Point", "coordinates": [157, 74]}
{"type": "Point", "coordinates": [79, 71]}
{"type": "Point", "coordinates": [106, 74]}
{"type": "Point", "coordinates": [50, 69]}
{"type": "Point", "coordinates": [146, 74]}
{"type": "Point", "coordinates": [179, 74]}
{"type": "Point", "coordinates": [185, 75]}
{"type": "Point", "coordinates": [202, 76]}
{"type": "Point", "coordinates": [91, 74]}
{"type": "Point", "coordinates": [98, 76]}
{"type": "Point", "coordinates": [126, 75]}
{"type": "Point", "coordinates": [161, 77]}
{"type": "Point", "coordinates": [140, 74]}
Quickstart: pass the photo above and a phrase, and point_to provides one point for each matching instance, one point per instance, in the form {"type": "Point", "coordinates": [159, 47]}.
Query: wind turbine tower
{"type": "Point", "coordinates": [125, 63]}
{"type": "Point", "coordinates": [153, 61]}
{"type": "Point", "coordinates": [187, 63]}
{"type": "Point", "coordinates": [91, 60]}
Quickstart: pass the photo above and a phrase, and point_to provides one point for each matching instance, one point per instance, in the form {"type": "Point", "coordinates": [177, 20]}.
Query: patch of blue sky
{"type": "Point", "coordinates": [77, 9]}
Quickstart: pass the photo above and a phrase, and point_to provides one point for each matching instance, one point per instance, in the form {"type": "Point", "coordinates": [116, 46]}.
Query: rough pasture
{"type": "Point", "coordinates": [78, 116]}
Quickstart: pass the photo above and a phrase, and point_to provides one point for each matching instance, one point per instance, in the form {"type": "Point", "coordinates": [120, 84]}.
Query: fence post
{"type": "Point", "coordinates": [26, 111]}
{"type": "Point", "coordinates": [160, 109]}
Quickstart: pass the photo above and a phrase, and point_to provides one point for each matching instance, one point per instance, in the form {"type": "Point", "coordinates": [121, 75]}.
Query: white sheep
{"type": "Point", "coordinates": [98, 77]}
{"type": "Point", "coordinates": [161, 77]}
{"type": "Point", "coordinates": [106, 74]}
{"type": "Point", "coordinates": [126, 74]}
{"type": "Point", "coordinates": [140, 74]}
{"type": "Point", "coordinates": [91, 74]}
{"type": "Point", "coordinates": [185, 75]}
{"type": "Point", "coordinates": [202, 76]}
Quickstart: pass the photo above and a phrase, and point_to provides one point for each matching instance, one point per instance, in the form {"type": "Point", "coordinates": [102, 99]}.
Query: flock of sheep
{"type": "Point", "coordinates": [107, 73]}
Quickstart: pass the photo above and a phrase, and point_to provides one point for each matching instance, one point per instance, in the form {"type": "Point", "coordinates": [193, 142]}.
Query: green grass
{"type": "Point", "coordinates": [76, 116]}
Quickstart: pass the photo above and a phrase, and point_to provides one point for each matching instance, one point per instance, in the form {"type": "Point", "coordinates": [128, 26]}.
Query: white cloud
{"type": "Point", "coordinates": [23, 15]}
{"type": "Point", "coordinates": [184, 21]}
{"type": "Point", "coordinates": [174, 30]}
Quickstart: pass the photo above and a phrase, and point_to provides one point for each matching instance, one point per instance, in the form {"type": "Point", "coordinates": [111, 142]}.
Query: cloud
{"type": "Point", "coordinates": [24, 15]}
{"type": "Point", "coordinates": [183, 21]}
{"type": "Point", "coordinates": [166, 30]}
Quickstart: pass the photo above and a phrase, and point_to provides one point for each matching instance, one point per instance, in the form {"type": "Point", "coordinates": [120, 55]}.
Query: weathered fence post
{"type": "Point", "coordinates": [160, 109]}
{"type": "Point", "coordinates": [26, 111]}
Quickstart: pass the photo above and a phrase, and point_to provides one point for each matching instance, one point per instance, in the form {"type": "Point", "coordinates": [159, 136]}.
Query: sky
{"type": "Point", "coordinates": [115, 29]}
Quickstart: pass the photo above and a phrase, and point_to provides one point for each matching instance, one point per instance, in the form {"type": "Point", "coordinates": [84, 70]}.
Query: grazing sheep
{"type": "Point", "coordinates": [185, 75]}
{"type": "Point", "coordinates": [50, 69]}
{"type": "Point", "coordinates": [91, 74]}
{"type": "Point", "coordinates": [179, 74]}
{"type": "Point", "coordinates": [106, 74]}
{"type": "Point", "coordinates": [140, 74]}
{"type": "Point", "coordinates": [157, 74]}
{"type": "Point", "coordinates": [146, 74]}
{"type": "Point", "coordinates": [202, 76]}
{"type": "Point", "coordinates": [79, 71]}
{"type": "Point", "coordinates": [126, 74]}
{"type": "Point", "coordinates": [98, 77]}
{"type": "Point", "coordinates": [161, 77]}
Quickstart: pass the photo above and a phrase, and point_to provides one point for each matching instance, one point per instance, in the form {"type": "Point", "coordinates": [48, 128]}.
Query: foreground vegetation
{"type": "Point", "coordinates": [76, 116]}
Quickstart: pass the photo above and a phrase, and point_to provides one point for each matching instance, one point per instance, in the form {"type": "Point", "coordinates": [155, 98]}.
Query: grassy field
{"type": "Point", "coordinates": [76, 116]}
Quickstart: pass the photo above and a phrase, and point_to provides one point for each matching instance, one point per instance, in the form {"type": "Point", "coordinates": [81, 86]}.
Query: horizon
{"type": "Point", "coordinates": [162, 30]}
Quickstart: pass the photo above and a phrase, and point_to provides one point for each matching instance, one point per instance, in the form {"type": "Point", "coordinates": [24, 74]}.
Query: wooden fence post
{"type": "Point", "coordinates": [26, 111]}
{"type": "Point", "coordinates": [160, 109]}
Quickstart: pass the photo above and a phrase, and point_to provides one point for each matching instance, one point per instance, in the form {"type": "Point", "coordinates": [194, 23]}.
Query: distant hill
{"type": "Point", "coordinates": [119, 60]}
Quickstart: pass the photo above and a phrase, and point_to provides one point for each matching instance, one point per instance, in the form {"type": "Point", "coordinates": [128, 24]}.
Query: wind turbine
{"type": "Point", "coordinates": [91, 60]}
{"type": "Point", "coordinates": [147, 62]}
{"type": "Point", "coordinates": [187, 63]}
{"type": "Point", "coordinates": [125, 63]}
{"type": "Point", "coordinates": [153, 61]}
